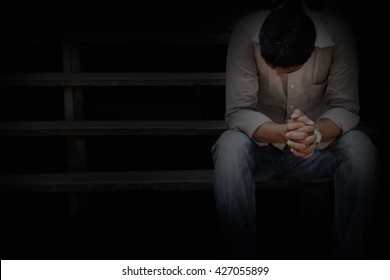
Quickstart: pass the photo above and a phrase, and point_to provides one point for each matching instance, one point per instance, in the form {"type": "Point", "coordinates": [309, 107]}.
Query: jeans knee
{"type": "Point", "coordinates": [232, 145]}
{"type": "Point", "coordinates": [359, 146]}
{"type": "Point", "coordinates": [360, 155]}
{"type": "Point", "coordinates": [234, 164]}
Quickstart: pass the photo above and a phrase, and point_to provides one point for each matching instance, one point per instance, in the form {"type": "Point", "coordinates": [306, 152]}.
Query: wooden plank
{"type": "Point", "coordinates": [121, 37]}
{"type": "Point", "coordinates": [73, 109]}
{"type": "Point", "coordinates": [106, 181]}
{"type": "Point", "coordinates": [67, 128]}
{"type": "Point", "coordinates": [130, 181]}
{"type": "Point", "coordinates": [74, 128]}
{"type": "Point", "coordinates": [112, 79]}
{"type": "Point", "coordinates": [71, 58]}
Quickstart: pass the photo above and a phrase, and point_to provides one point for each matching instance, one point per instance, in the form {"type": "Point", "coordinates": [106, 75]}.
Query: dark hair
{"type": "Point", "coordinates": [287, 37]}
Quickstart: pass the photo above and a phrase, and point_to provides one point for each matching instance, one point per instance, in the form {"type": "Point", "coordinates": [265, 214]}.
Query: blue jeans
{"type": "Point", "coordinates": [239, 162]}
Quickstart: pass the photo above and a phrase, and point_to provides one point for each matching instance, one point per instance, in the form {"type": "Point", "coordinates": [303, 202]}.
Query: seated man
{"type": "Point", "coordinates": [292, 105]}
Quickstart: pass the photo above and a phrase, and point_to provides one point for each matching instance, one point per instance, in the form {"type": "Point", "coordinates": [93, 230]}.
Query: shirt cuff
{"type": "Point", "coordinates": [343, 118]}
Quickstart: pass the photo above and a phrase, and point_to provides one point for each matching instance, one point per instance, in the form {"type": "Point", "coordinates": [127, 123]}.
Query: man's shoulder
{"type": "Point", "coordinates": [334, 23]}
{"type": "Point", "coordinates": [250, 24]}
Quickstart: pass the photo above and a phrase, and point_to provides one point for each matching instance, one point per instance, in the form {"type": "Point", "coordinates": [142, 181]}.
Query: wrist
{"type": "Point", "coordinates": [270, 132]}
{"type": "Point", "coordinates": [282, 133]}
{"type": "Point", "coordinates": [317, 133]}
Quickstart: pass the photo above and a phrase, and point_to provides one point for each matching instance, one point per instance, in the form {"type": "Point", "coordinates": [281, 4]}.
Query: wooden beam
{"type": "Point", "coordinates": [131, 181]}
{"type": "Point", "coordinates": [74, 128]}
{"type": "Point", "coordinates": [73, 109]}
{"type": "Point", "coordinates": [121, 37]}
{"type": "Point", "coordinates": [112, 79]}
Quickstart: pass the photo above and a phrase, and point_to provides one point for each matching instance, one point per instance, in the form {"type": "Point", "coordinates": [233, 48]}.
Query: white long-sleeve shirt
{"type": "Point", "coordinates": [325, 87]}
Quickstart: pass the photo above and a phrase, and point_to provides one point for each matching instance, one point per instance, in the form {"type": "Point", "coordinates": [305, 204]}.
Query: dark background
{"type": "Point", "coordinates": [154, 224]}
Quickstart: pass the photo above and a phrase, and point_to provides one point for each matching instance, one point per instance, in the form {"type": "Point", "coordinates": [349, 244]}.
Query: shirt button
{"type": "Point", "coordinates": [292, 86]}
{"type": "Point", "coordinates": [291, 106]}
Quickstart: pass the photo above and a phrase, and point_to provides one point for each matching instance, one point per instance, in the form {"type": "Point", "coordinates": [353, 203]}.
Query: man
{"type": "Point", "coordinates": [292, 106]}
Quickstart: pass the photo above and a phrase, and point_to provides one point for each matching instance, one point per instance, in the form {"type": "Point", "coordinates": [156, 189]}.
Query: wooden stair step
{"type": "Point", "coordinates": [112, 79]}
{"type": "Point", "coordinates": [72, 128]}
{"type": "Point", "coordinates": [121, 37]}
{"type": "Point", "coordinates": [129, 181]}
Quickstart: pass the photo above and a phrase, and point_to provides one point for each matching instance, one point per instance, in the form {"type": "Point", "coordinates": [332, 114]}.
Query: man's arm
{"type": "Point", "coordinates": [270, 132]}
{"type": "Point", "coordinates": [242, 80]}
{"type": "Point", "coordinates": [342, 83]}
{"type": "Point", "coordinates": [329, 130]}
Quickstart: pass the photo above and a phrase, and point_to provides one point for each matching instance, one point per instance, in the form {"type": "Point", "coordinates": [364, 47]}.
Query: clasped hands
{"type": "Point", "coordinates": [300, 135]}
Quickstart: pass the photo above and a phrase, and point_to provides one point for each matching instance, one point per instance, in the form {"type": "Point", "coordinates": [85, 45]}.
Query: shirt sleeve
{"type": "Point", "coordinates": [242, 83]}
{"type": "Point", "coordinates": [342, 87]}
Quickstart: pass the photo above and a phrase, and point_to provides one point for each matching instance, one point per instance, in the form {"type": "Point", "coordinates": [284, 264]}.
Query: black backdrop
{"type": "Point", "coordinates": [26, 236]}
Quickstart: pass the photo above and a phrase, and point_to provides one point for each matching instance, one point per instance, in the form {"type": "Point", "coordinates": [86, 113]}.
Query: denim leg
{"type": "Point", "coordinates": [352, 160]}
{"type": "Point", "coordinates": [234, 185]}
{"type": "Point", "coordinates": [355, 188]}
